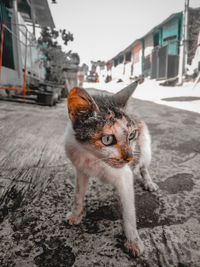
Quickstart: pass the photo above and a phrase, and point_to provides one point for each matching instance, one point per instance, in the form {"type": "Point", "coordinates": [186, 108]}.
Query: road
{"type": "Point", "coordinates": [37, 183]}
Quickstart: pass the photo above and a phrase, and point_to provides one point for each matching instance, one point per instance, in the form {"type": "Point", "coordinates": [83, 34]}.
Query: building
{"type": "Point", "coordinates": [23, 65]}
{"type": "Point", "coordinates": [20, 52]}
{"type": "Point", "coordinates": [157, 53]}
{"type": "Point", "coordinates": [165, 53]}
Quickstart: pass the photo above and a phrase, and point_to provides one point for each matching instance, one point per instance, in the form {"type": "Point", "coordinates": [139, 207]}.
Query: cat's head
{"type": "Point", "coordinates": [101, 125]}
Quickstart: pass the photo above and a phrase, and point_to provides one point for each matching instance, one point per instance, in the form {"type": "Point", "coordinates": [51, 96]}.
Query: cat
{"type": "Point", "coordinates": [102, 140]}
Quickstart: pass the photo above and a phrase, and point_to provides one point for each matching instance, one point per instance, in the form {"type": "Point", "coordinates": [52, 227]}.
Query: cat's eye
{"type": "Point", "coordinates": [133, 135]}
{"type": "Point", "coordinates": [108, 140]}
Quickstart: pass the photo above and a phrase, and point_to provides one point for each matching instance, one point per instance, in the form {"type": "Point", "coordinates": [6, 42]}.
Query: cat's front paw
{"type": "Point", "coordinates": [74, 219]}
{"type": "Point", "coordinates": [151, 186]}
{"type": "Point", "coordinates": [136, 248]}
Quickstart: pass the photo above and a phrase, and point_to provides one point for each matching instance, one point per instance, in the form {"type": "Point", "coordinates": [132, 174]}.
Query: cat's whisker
{"type": "Point", "coordinates": [101, 159]}
{"type": "Point", "coordinates": [135, 155]}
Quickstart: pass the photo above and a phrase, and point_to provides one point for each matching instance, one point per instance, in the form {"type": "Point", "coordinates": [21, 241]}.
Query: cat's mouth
{"type": "Point", "coordinates": [118, 163]}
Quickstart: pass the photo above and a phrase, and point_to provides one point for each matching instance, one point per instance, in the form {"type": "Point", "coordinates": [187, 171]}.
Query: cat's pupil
{"type": "Point", "coordinates": [132, 135]}
{"type": "Point", "coordinates": [108, 138]}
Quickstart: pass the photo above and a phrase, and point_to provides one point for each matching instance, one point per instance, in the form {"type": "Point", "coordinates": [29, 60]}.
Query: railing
{"type": "Point", "coordinates": [4, 26]}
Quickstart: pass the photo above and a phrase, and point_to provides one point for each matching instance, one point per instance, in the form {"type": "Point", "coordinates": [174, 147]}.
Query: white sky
{"type": "Point", "coordinates": [103, 28]}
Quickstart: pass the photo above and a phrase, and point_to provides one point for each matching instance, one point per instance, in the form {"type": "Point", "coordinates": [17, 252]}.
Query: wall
{"type": "Point", "coordinates": [34, 59]}
{"type": "Point", "coordinates": [117, 72]}
{"type": "Point", "coordinates": [10, 73]}
{"type": "Point", "coordinates": [137, 59]}
{"type": "Point", "coordinates": [148, 44]}
{"type": "Point", "coordinates": [193, 30]}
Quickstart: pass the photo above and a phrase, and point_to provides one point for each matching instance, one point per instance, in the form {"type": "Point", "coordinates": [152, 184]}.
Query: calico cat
{"type": "Point", "coordinates": [102, 140]}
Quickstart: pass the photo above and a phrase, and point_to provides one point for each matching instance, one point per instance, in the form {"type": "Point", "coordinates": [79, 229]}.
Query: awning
{"type": "Point", "coordinates": [41, 10]}
{"type": "Point", "coordinates": [43, 13]}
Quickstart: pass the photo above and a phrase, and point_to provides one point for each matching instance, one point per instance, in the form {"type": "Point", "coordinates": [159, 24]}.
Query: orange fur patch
{"type": "Point", "coordinates": [108, 129]}
{"type": "Point", "coordinates": [76, 101]}
{"type": "Point", "coordinates": [124, 152]}
{"type": "Point", "coordinates": [79, 100]}
{"type": "Point", "coordinates": [96, 141]}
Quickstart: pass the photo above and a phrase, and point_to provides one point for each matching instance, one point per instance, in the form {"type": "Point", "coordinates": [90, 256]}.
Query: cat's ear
{"type": "Point", "coordinates": [80, 103]}
{"type": "Point", "coordinates": [122, 96]}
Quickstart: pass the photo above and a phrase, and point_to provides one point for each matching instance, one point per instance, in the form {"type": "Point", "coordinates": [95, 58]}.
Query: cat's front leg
{"type": "Point", "coordinates": [76, 215]}
{"type": "Point", "coordinates": [126, 192]}
{"type": "Point", "coordinates": [148, 183]}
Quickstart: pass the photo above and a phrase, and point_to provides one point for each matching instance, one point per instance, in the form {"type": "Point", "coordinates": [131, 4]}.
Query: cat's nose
{"type": "Point", "coordinates": [129, 157]}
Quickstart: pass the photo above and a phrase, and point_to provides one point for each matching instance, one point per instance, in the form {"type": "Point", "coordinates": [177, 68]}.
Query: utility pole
{"type": "Point", "coordinates": [183, 52]}
{"type": "Point", "coordinates": [16, 45]}
{"type": "Point", "coordinates": [33, 16]}
{"type": "Point", "coordinates": [186, 33]}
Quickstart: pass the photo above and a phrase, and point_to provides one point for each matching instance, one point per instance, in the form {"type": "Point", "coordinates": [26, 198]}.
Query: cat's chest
{"type": "Point", "coordinates": [86, 161]}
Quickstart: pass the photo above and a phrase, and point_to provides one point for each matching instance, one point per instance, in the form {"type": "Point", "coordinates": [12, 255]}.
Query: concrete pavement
{"type": "Point", "coordinates": [37, 183]}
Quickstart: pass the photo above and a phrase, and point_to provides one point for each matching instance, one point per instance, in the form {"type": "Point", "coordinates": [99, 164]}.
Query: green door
{"type": "Point", "coordinates": [8, 60]}
{"type": "Point", "coordinates": [171, 36]}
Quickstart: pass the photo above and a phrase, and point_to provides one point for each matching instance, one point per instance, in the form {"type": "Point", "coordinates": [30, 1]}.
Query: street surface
{"type": "Point", "coordinates": [37, 183]}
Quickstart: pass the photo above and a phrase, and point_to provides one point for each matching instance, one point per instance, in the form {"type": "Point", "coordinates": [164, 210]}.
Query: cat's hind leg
{"type": "Point", "coordinates": [76, 215]}
{"type": "Point", "coordinates": [148, 183]}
